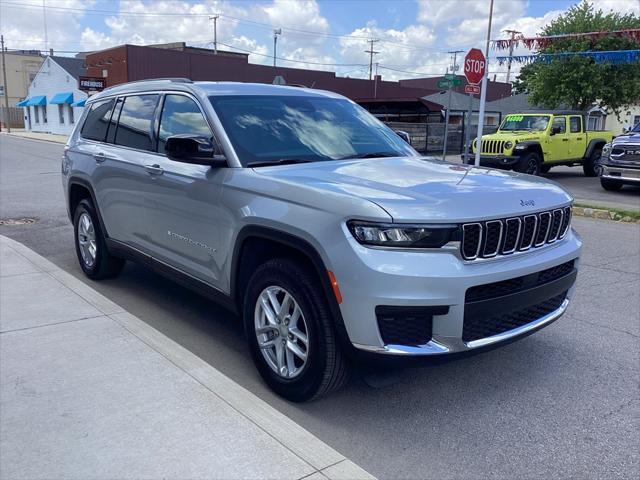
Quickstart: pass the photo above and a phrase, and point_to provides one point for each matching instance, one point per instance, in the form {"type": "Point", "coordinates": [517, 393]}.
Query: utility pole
{"type": "Point", "coordinates": [375, 84]}
{"type": "Point", "coordinates": [483, 91]}
{"type": "Point", "coordinates": [371, 53]}
{"type": "Point", "coordinates": [44, 17]}
{"type": "Point", "coordinates": [276, 32]}
{"type": "Point", "coordinates": [4, 79]}
{"type": "Point", "coordinates": [446, 121]}
{"type": "Point", "coordinates": [215, 32]}
{"type": "Point", "coordinates": [513, 36]}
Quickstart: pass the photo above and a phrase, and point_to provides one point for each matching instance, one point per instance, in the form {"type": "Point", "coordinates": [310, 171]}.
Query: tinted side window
{"type": "Point", "coordinates": [95, 126]}
{"type": "Point", "coordinates": [575, 124]}
{"type": "Point", "coordinates": [135, 124]}
{"type": "Point", "coordinates": [113, 124]}
{"type": "Point", "coordinates": [560, 122]}
{"type": "Point", "coordinates": [181, 115]}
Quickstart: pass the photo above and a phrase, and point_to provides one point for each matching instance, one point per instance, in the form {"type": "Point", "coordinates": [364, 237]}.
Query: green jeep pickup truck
{"type": "Point", "coordinates": [534, 142]}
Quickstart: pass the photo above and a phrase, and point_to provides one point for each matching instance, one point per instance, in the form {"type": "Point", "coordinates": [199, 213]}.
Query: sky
{"type": "Point", "coordinates": [414, 36]}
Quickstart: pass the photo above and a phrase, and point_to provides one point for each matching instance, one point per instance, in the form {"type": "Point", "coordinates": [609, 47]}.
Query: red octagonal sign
{"type": "Point", "coordinates": [474, 66]}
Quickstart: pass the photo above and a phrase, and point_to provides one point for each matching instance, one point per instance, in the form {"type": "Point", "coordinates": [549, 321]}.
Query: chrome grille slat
{"type": "Point", "coordinates": [490, 238]}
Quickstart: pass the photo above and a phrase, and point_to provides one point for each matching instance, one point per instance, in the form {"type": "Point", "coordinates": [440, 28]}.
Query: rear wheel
{"type": "Point", "coordinates": [530, 164]}
{"type": "Point", "coordinates": [290, 332]}
{"type": "Point", "coordinates": [95, 260]}
{"type": "Point", "coordinates": [591, 165]}
{"type": "Point", "coordinates": [611, 185]}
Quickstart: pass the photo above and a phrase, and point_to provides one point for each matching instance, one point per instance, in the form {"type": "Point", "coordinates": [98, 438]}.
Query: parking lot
{"type": "Point", "coordinates": [563, 402]}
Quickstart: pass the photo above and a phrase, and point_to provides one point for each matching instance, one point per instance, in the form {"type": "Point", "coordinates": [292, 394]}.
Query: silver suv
{"type": "Point", "coordinates": [331, 237]}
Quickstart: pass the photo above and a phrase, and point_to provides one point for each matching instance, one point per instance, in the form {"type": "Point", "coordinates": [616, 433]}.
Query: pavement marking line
{"type": "Point", "coordinates": [296, 439]}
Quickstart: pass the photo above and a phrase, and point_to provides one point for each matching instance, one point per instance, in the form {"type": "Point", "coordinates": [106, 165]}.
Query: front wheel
{"type": "Point", "coordinates": [591, 166]}
{"type": "Point", "coordinates": [529, 164]}
{"type": "Point", "coordinates": [290, 332]}
{"type": "Point", "coordinates": [610, 185]}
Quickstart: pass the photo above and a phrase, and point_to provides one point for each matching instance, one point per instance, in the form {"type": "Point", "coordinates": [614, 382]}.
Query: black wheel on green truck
{"type": "Point", "coordinates": [530, 163]}
{"type": "Point", "coordinates": [591, 165]}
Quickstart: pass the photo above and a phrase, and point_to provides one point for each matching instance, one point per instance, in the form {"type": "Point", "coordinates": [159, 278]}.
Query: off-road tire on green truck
{"type": "Point", "coordinates": [529, 163]}
{"type": "Point", "coordinates": [590, 165]}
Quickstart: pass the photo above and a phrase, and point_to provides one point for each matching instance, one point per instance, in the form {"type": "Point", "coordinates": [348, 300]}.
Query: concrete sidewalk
{"type": "Point", "coordinates": [90, 391]}
{"type": "Point", "coordinates": [47, 137]}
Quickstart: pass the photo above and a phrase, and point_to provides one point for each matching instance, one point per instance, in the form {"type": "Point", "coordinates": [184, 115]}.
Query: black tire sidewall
{"type": "Point", "coordinates": [524, 163]}
{"type": "Point", "coordinates": [611, 185]}
{"type": "Point", "coordinates": [85, 206]}
{"type": "Point", "coordinates": [296, 281]}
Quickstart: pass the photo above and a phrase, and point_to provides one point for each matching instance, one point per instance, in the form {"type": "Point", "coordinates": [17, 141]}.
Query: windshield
{"type": "Point", "coordinates": [525, 122]}
{"type": "Point", "coordinates": [269, 128]}
{"type": "Point", "coordinates": [636, 128]}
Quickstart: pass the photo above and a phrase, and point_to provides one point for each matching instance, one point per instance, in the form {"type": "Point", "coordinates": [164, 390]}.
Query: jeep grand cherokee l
{"type": "Point", "coordinates": [329, 235]}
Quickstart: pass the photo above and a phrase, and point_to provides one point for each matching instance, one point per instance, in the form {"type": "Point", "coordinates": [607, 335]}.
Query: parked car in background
{"type": "Point", "coordinates": [620, 161]}
{"type": "Point", "coordinates": [535, 142]}
{"type": "Point", "coordinates": [329, 235]}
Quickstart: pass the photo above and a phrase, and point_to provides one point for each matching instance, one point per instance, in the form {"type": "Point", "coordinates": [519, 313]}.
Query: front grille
{"type": "Point", "coordinates": [492, 146]}
{"type": "Point", "coordinates": [505, 236]}
{"type": "Point", "coordinates": [517, 284]}
{"type": "Point", "coordinates": [478, 327]}
{"type": "Point", "coordinates": [625, 153]}
{"type": "Point", "coordinates": [407, 325]}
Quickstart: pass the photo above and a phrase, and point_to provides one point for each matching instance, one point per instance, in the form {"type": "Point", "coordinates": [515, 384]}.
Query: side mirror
{"type": "Point", "coordinates": [196, 149]}
{"type": "Point", "coordinates": [555, 129]}
{"type": "Point", "coordinates": [404, 135]}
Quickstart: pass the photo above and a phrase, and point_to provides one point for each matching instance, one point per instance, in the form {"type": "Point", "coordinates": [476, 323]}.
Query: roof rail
{"type": "Point", "coordinates": [167, 79]}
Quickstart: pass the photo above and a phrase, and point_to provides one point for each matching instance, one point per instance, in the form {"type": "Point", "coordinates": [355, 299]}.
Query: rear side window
{"type": "Point", "coordinates": [560, 122]}
{"type": "Point", "coordinates": [575, 124]}
{"type": "Point", "coordinates": [97, 122]}
{"type": "Point", "coordinates": [181, 115]}
{"type": "Point", "coordinates": [136, 120]}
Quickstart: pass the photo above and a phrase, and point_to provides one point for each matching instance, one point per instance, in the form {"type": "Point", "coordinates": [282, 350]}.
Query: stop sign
{"type": "Point", "coordinates": [474, 66]}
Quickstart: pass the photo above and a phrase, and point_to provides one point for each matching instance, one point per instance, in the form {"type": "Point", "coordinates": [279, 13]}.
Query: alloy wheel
{"type": "Point", "coordinates": [87, 240]}
{"type": "Point", "coordinates": [281, 331]}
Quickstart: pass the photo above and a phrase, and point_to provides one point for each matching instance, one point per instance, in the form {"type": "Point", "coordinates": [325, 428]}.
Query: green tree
{"type": "Point", "coordinates": [579, 81]}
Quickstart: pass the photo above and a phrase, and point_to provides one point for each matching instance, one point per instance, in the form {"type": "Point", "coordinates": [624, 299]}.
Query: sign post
{"type": "Point", "coordinates": [475, 69]}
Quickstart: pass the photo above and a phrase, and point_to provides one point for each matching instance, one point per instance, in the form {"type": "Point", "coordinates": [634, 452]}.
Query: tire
{"type": "Point", "coordinates": [611, 185]}
{"type": "Point", "coordinates": [325, 368]}
{"type": "Point", "coordinates": [545, 168]}
{"type": "Point", "coordinates": [86, 226]}
{"type": "Point", "coordinates": [529, 164]}
{"type": "Point", "coordinates": [591, 165]}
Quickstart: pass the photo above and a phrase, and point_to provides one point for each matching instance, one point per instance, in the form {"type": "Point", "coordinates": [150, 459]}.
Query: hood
{"type": "Point", "coordinates": [413, 189]}
{"type": "Point", "coordinates": [630, 137]}
{"type": "Point", "coordinates": [519, 135]}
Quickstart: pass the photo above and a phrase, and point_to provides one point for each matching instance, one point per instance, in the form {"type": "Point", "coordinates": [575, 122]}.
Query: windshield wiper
{"type": "Point", "coordinates": [371, 155]}
{"type": "Point", "coordinates": [280, 161]}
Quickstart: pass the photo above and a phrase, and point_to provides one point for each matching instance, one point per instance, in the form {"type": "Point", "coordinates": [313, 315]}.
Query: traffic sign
{"type": "Point", "coordinates": [456, 82]}
{"type": "Point", "coordinates": [444, 84]}
{"type": "Point", "coordinates": [474, 89]}
{"type": "Point", "coordinates": [449, 76]}
{"type": "Point", "coordinates": [475, 66]}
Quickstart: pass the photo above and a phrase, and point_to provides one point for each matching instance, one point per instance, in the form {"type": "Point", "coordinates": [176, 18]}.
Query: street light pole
{"type": "Point", "coordinates": [446, 121]}
{"type": "Point", "coordinates": [276, 32]}
{"type": "Point", "coordinates": [4, 79]}
{"type": "Point", "coordinates": [483, 93]}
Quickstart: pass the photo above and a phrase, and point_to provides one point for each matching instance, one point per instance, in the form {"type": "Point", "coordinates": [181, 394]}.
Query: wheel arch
{"type": "Point", "coordinates": [594, 143]}
{"type": "Point", "coordinates": [79, 189]}
{"type": "Point", "coordinates": [531, 147]}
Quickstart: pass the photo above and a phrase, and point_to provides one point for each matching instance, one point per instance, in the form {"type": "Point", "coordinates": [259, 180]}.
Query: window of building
{"type": "Point", "coordinates": [36, 114]}
{"type": "Point", "coordinates": [61, 114]}
{"type": "Point", "coordinates": [97, 122]}
{"type": "Point", "coordinates": [560, 125]}
{"type": "Point", "coordinates": [44, 114]}
{"type": "Point", "coordinates": [575, 124]}
{"type": "Point", "coordinates": [72, 119]}
{"type": "Point", "coordinates": [135, 123]}
{"type": "Point", "coordinates": [180, 115]}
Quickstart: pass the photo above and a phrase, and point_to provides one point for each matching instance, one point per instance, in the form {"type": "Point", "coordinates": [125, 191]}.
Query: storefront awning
{"type": "Point", "coordinates": [37, 100]}
{"type": "Point", "coordinates": [63, 97]}
{"type": "Point", "coordinates": [79, 103]}
{"type": "Point", "coordinates": [23, 103]}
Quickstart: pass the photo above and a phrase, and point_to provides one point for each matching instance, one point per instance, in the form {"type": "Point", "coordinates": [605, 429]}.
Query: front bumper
{"type": "Point", "coordinates": [440, 280]}
{"type": "Point", "coordinates": [625, 174]}
{"type": "Point", "coordinates": [495, 161]}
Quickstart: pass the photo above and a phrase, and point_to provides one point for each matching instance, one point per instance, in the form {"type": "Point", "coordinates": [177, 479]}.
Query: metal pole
{"type": "Point", "coordinates": [513, 36]}
{"type": "Point", "coordinates": [4, 79]}
{"type": "Point", "coordinates": [44, 17]}
{"type": "Point", "coordinates": [375, 84]}
{"type": "Point", "coordinates": [483, 93]}
{"type": "Point", "coordinates": [275, 43]}
{"type": "Point", "coordinates": [446, 124]}
{"type": "Point", "coordinates": [215, 33]}
{"type": "Point", "coordinates": [467, 132]}
{"type": "Point", "coordinates": [371, 52]}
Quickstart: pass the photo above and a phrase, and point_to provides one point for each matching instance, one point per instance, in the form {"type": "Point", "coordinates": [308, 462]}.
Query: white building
{"type": "Point", "coordinates": [54, 103]}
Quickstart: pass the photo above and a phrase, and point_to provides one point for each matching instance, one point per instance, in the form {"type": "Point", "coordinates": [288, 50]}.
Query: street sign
{"type": "Point", "coordinates": [474, 89]}
{"type": "Point", "coordinates": [474, 66]}
{"type": "Point", "coordinates": [449, 76]}
{"type": "Point", "coordinates": [456, 82]}
{"type": "Point", "coordinates": [444, 84]}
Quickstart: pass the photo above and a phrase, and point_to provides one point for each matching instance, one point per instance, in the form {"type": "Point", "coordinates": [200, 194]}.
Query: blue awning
{"type": "Point", "coordinates": [60, 98]}
{"type": "Point", "coordinates": [23, 103]}
{"type": "Point", "coordinates": [38, 100]}
{"type": "Point", "coordinates": [79, 103]}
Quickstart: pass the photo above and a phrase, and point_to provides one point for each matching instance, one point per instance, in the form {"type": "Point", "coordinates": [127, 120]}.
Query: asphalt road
{"type": "Point", "coordinates": [561, 403]}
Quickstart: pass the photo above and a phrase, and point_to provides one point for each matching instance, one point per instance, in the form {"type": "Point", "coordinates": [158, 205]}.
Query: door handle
{"type": "Point", "coordinates": [579, 138]}
{"type": "Point", "coordinates": [154, 169]}
{"type": "Point", "coordinates": [100, 157]}
{"type": "Point", "coordinates": [565, 139]}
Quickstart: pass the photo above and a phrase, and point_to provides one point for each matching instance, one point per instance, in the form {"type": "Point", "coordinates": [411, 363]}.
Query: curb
{"type": "Point", "coordinates": [28, 137]}
{"type": "Point", "coordinates": [603, 214]}
{"type": "Point", "coordinates": [328, 463]}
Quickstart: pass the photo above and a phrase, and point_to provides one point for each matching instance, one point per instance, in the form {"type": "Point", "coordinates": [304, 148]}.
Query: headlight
{"type": "Point", "coordinates": [508, 145]}
{"type": "Point", "coordinates": [402, 236]}
{"type": "Point", "coordinates": [606, 150]}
